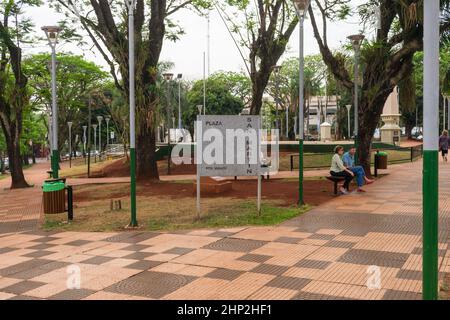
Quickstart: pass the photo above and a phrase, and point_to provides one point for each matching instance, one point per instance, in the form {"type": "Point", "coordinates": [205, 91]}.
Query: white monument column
{"type": "Point", "coordinates": [391, 131]}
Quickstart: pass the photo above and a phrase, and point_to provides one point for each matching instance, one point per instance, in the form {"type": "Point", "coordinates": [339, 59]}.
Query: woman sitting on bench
{"type": "Point", "coordinates": [339, 170]}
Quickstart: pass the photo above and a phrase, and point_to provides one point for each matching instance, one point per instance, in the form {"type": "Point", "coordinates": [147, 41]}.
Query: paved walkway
{"type": "Point", "coordinates": [331, 252]}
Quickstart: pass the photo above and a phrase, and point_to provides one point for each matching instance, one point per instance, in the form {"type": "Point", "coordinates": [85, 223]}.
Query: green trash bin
{"type": "Point", "coordinates": [381, 159]}
{"type": "Point", "coordinates": [54, 196]}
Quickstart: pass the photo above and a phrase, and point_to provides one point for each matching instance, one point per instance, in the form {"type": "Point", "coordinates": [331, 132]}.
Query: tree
{"type": "Point", "coordinates": [386, 60]}
{"type": "Point", "coordinates": [106, 24]}
{"type": "Point", "coordinates": [288, 84]}
{"type": "Point", "coordinates": [237, 83]}
{"type": "Point", "coordinates": [219, 101]}
{"type": "Point", "coordinates": [76, 78]}
{"type": "Point", "coordinates": [264, 32]}
{"type": "Point", "coordinates": [411, 90]}
{"type": "Point", "coordinates": [14, 95]}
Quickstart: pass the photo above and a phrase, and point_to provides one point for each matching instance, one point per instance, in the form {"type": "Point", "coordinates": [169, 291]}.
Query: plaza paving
{"type": "Point", "coordinates": [324, 254]}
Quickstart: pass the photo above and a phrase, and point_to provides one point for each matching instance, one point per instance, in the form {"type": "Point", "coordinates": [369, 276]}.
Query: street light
{"type": "Point", "coordinates": [52, 33]}
{"type": "Point", "coordinates": [430, 183]}
{"type": "Point", "coordinates": [179, 77]}
{"type": "Point", "coordinates": [131, 4]}
{"type": "Point", "coordinates": [356, 41]}
{"type": "Point", "coordinates": [94, 126]}
{"type": "Point", "coordinates": [107, 119]}
{"type": "Point", "coordinates": [349, 106]}
{"type": "Point", "coordinates": [301, 6]}
{"type": "Point", "coordinates": [84, 140]}
{"type": "Point", "coordinates": [69, 124]}
{"type": "Point", "coordinates": [99, 119]}
{"type": "Point", "coordinates": [276, 70]}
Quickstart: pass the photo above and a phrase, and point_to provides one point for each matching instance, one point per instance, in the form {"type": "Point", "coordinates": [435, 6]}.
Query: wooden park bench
{"type": "Point", "coordinates": [335, 180]}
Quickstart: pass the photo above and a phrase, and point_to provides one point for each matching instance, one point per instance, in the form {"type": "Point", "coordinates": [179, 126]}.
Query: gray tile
{"type": "Point", "coordinates": [138, 255]}
{"type": "Point", "coordinates": [6, 250]}
{"type": "Point", "coordinates": [224, 274]}
{"type": "Point", "coordinates": [221, 234]}
{"type": "Point", "coordinates": [376, 258]}
{"type": "Point", "coordinates": [98, 260]}
{"type": "Point", "coordinates": [235, 245]}
{"type": "Point", "coordinates": [409, 274]}
{"type": "Point", "coordinates": [151, 284]}
{"type": "Point", "coordinates": [270, 269]}
{"type": "Point", "coordinates": [288, 240]}
{"type": "Point", "coordinates": [78, 243]}
{"type": "Point", "coordinates": [144, 265]}
{"type": "Point", "coordinates": [322, 236]}
{"type": "Point", "coordinates": [179, 251]}
{"type": "Point", "coordinates": [42, 246]}
{"type": "Point", "coordinates": [72, 294]}
{"type": "Point", "coordinates": [315, 296]}
{"type": "Point", "coordinates": [401, 295]}
{"type": "Point", "coordinates": [38, 254]}
{"type": "Point", "coordinates": [288, 283]}
{"type": "Point", "coordinates": [254, 258]}
{"type": "Point", "coordinates": [23, 266]}
{"type": "Point", "coordinates": [22, 287]}
{"type": "Point", "coordinates": [340, 244]}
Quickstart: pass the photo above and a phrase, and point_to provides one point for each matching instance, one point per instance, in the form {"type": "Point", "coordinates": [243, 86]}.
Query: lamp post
{"type": "Point", "coordinates": [168, 78]}
{"type": "Point", "coordinates": [131, 4]}
{"type": "Point", "coordinates": [94, 126]}
{"type": "Point", "coordinates": [349, 106]}
{"type": "Point", "coordinates": [84, 141]}
{"type": "Point", "coordinates": [356, 41]}
{"type": "Point", "coordinates": [276, 70]}
{"type": "Point", "coordinates": [107, 119]}
{"type": "Point", "coordinates": [69, 124]}
{"type": "Point", "coordinates": [301, 6]}
{"type": "Point", "coordinates": [99, 119]}
{"type": "Point", "coordinates": [430, 154]}
{"type": "Point", "coordinates": [52, 33]}
{"type": "Point", "coordinates": [179, 77]}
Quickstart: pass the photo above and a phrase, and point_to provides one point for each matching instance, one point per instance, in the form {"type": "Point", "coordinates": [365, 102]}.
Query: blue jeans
{"type": "Point", "coordinates": [360, 174]}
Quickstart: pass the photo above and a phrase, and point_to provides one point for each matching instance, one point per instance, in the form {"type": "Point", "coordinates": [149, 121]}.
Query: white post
{"type": "Point", "coordinates": [179, 104]}
{"type": "Point", "coordinates": [204, 84]}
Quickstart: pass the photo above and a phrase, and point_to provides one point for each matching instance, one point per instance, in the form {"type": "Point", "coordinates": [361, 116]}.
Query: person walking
{"type": "Point", "coordinates": [339, 170]}
{"type": "Point", "coordinates": [444, 141]}
{"type": "Point", "coordinates": [349, 162]}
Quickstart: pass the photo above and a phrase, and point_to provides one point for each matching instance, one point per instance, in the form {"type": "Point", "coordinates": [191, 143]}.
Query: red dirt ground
{"type": "Point", "coordinates": [316, 191]}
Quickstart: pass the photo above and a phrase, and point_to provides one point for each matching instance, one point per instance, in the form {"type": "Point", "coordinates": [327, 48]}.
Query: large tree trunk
{"type": "Point", "coordinates": [259, 83]}
{"type": "Point", "coordinates": [15, 160]}
{"type": "Point", "coordinates": [147, 167]}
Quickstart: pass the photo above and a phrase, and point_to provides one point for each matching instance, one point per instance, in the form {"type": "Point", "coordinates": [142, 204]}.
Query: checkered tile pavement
{"type": "Point", "coordinates": [328, 253]}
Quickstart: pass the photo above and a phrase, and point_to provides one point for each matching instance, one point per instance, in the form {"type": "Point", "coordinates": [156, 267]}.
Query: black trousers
{"type": "Point", "coordinates": [348, 177]}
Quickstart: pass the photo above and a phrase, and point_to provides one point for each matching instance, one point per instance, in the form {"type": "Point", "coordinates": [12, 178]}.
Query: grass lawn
{"type": "Point", "coordinates": [163, 213]}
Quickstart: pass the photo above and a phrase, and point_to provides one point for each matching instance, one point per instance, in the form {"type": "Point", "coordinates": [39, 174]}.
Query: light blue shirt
{"type": "Point", "coordinates": [349, 160]}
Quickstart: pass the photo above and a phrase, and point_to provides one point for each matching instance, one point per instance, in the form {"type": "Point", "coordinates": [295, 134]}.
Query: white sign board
{"type": "Point", "coordinates": [228, 146]}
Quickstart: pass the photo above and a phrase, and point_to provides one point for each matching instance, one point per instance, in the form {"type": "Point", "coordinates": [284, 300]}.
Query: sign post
{"type": "Point", "coordinates": [228, 146]}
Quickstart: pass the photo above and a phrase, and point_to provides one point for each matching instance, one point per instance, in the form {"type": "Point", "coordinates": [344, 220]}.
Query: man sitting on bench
{"type": "Point", "coordinates": [349, 163]}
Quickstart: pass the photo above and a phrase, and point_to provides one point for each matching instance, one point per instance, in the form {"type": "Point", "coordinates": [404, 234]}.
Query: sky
{"type": "Point", "coordinates": [187, 53]}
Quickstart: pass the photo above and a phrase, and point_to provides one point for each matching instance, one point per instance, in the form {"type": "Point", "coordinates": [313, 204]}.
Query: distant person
{"type": "Point", "coordinates": [349, 162]}
{"type": "Point", "coordinates": [339, 170]}
{"type": "Point", "coordinates": [443, 145]}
